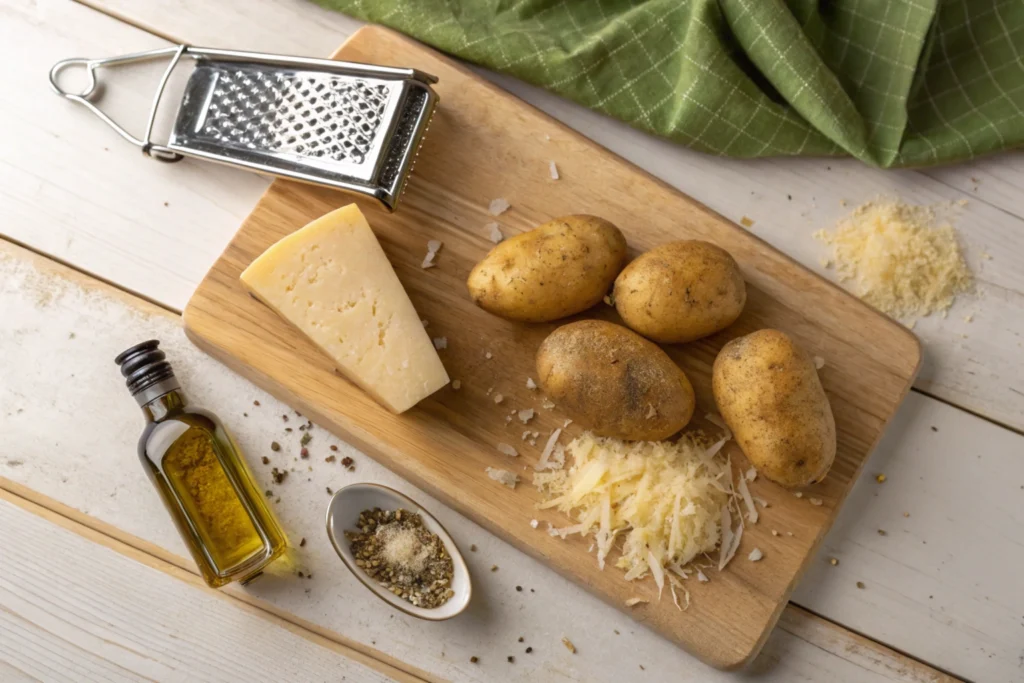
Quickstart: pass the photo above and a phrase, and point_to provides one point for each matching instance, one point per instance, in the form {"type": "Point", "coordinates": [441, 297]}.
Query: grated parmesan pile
{"type": "Point", "coordinates": [667, 500]}
{"type": "Point", "coordinates": [898, 258]}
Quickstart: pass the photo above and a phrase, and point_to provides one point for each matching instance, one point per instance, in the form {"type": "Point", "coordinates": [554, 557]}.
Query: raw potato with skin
{"type": "Point", "coordinates": [768, 392]}
{"type": "Point", "coordinates": [680, 291]}
{"type": "Point", "coordinates": [560, 268]}
{"type": "Point", "coordinates": [614, 382]}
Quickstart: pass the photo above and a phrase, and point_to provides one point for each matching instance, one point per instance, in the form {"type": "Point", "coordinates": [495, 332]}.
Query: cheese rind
{"type": "Point", "coordinates": [332, 281]}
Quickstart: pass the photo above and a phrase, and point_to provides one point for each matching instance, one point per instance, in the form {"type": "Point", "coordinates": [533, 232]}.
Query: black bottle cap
{"type": "Point", "coordinates": [143, 365]}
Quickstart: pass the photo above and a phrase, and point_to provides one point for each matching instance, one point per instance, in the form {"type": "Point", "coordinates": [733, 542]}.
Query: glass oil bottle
{"type": "Point", "coordinates": [200, 474]}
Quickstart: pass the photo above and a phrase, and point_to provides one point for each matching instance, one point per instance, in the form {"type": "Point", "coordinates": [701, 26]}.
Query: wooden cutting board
{"type": "Point", "coordinates": [484, 144]}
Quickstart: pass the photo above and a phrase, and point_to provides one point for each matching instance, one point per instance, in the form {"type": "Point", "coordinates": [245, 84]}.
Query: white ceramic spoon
{"type": "Point", "coordinates": [343, 513]}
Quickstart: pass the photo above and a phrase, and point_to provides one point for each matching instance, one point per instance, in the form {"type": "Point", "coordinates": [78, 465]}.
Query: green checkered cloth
{"type": "Point", "coordinates": [891, 82]}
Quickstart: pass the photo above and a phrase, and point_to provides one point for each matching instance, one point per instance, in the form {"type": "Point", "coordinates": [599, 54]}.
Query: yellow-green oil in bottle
{"type": "Point", "coordinates": [201, 475]}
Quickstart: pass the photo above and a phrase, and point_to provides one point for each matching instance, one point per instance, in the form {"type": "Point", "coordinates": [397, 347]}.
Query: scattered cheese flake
{"type": "Point", "coordinates": [456, 384]}
{"type": "Point", "coordinates": [898, 259]}
{"type": "Point", "coordinates": [440, 343]}
{"type": "Point", "coordinates": [755, 555]}
{"type": "Point", "coordinates": [730, 539]}
{"type": "Point", "coordinates": [799, 494]}
{"type": "Point", "coordinates": [720, 423]}
{"type": "Point", "coordinates": [608, 300]}
{"type": "Point", "coordinates": [789, 533]}
{"type": "Point", "coordinates": [880, 478]}
{"type": "Point", "coordinates": [488, 355]}
{"type": "Point", "coordinates": [819, 362]}
{"type": "Point", "coordinates": [632, 602]}
{"type": "Point", "coordinates": [761, 501]}
{"type": "Point", "coordinates": [433, 246]}
{"type": "Point", "coordinates": [702, 577]}
{"type": "Point", "coordinates": [969, 318]}
{"type": "Point", "coordinates": [505, 449]}
{"type": "Point", "coordinates": [526, 415]}
{"type": "Point", "coordinates": [498, 398]}
{"type": "Point", "coordinates": [751, 474]}
{"type": "Point", "coordinates": [746, 222]}
{"type": "Point", "coordinates": [673, 582]}
{"type": "Point", "coordinates": [815, 501]}
{"type": "Point", "coordinates": [425, 322]}
{"type": "Point", "coordinates": [494, 233]}
{"type": "Point", "coordinates": [566, 424]}
{"type": "Point", "coordinates": [534, 523]}
{"type": "Point", "coordinates": [568, 645]}
{"type": "Point", "coordinates": [833, 561]}
{"type": "Point", "coordinates": [525, 436]}
{"type": "Point", "coordinates": [503, 477]}
{"type": "Point", "coordinates": [747, 500]}
{"type": "Point", "coordinates": [774, 532]}
{"type": "Point", "coordinates": [547, 404]}
{"type": "Point", "coordinates": [530, 384]}
{"type": "Point", "coordinates": [489, 390]}
{"type": "Point", "coordinates": [651, 411]}
{"type": "Point", "coordinates": [549, 448]}
{"type": "Point", "coordinates": [553, 169]}
{"type": "Point", "coordinates": [498, 206]}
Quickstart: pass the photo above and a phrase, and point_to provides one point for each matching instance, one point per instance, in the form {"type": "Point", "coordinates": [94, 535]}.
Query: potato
{"type": "Point", "coordinates": [768, 392]}
{"type": "Point", "coordinates": [680, 291]}
{"type": "Point", "coordinates": [560, 268]}
{"type": "Point", "coordinates": [614, 382]}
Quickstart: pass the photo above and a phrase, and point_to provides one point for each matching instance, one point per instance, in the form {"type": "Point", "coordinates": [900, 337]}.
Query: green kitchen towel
{"type": "Point", "coordinates": [891, 82]}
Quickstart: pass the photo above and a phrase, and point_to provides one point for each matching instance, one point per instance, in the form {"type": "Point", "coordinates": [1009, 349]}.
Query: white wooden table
{"type": "Point", "coordinates": [95, 584]}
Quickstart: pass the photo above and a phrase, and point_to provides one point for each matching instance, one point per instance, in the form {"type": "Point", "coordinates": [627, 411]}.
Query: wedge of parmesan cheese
{"type": "Point", "coordinates": [333, 282]}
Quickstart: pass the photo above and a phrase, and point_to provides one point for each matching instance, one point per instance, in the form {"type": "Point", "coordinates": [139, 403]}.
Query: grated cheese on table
{"type": "Point", "coordinates": [668, 501]}
{"type": "Point", "coordinates": [898, 258]}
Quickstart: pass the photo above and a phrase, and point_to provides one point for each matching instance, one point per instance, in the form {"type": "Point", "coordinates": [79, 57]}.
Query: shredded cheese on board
{"type": "Point", "coordinates": [898, 258]}
{"type": "Point", "coordinates": [668, 501]}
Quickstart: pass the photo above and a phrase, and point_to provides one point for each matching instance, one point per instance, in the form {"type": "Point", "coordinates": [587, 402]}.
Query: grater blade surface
{"type": "Point", "coordinates": [355, 132]}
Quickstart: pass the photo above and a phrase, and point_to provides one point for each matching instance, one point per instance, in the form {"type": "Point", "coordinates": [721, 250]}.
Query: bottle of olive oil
{"type": "Point", "coordinates": [201, 475]}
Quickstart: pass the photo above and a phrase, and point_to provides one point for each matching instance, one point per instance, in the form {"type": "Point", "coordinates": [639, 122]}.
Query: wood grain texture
{"type": "Point", "coordinates": [64, 616]}
{"type": "Point", "coordinates": [70, 433]}
{"type": "Point", "coordinates": [484, 144]}
{"type": "Point", "coordinates": [972, 364]}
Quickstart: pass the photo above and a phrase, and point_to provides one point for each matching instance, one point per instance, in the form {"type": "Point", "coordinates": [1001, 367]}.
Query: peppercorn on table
{"type": "Point", "coordinates": [115, 245]}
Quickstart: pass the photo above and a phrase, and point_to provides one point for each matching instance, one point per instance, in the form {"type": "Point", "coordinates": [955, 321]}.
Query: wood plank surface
{"type": "Point", "coordinates": [64, 616]}
{"type": "Point", "coordinates": [972, 364]}
{"type": "Point", "coordinates": [94, 202]}
{"type": "Point", "coordinates": [71, 431]}
{"type": "Point", "coordinates": [483, 144]}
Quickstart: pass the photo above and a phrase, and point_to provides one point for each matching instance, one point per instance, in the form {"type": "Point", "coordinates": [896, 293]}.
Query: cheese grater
{"type": "Point", "coordinates": [350, 126]}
